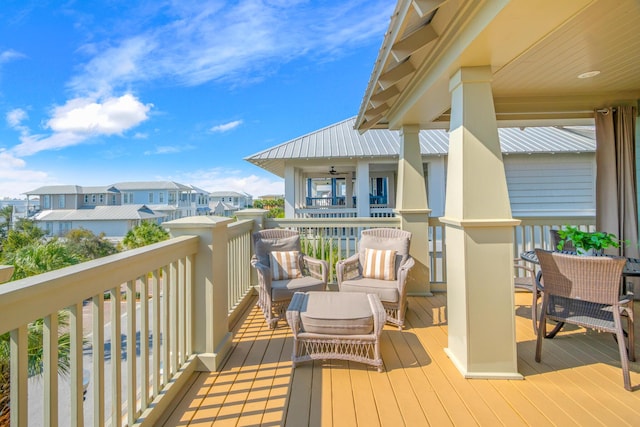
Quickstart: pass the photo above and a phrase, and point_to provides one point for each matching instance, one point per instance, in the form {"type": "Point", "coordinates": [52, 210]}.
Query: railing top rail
{"type": "Point", "coordinates": [333, 222]}
{"type": "Point", "coordinates": [25, 300]}
{"type": "Point", "coordinates": [237, 228]}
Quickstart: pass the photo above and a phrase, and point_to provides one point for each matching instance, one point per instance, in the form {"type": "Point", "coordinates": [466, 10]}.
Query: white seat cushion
{"type": "Point", "coordinates": [386, 290]}
{"type": "Point", "coordinates": [337, 313]}
{"type": "Point", "coordinates": [284, 289]}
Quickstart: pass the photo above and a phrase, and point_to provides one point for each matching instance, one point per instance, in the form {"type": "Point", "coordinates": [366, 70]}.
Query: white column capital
{"type": "Point", "coordinates": [481, 74]}
{"type": "Point", "coordinates": [409, 129]}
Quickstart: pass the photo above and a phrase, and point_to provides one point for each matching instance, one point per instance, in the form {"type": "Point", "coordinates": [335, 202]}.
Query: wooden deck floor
{"type": "Point", "coordinates": [579, 381]}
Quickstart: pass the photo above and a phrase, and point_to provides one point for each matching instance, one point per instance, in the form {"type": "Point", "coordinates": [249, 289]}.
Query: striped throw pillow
{"type": "Point", "coordinates": [379, 264]}
{"type": "Point", "coordinates": [285, 265]}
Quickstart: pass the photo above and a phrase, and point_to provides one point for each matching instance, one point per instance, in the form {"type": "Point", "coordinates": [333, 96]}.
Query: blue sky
{"type": "Point", "coordinates": [96, 92]}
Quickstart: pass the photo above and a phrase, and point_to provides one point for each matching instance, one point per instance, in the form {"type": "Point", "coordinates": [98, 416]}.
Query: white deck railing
{"type": "Point", "coordinates": [159, 338]}
{"type": "Point", "coordinates": [239, 253]}
{"type": "Point", "coordinates": [162, 274]}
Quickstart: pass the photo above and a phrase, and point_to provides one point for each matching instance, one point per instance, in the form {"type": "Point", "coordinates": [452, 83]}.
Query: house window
{"type": "Point", "coordinates": [127, 198]}
{"type": "Point", "coordinates": [150, 197]}
{"type": "Point", "coordinates": [113, 199]}
{"type": "Point", "coordinates": [64, 227]}
{"type": "Point", "coordinates": [46, 202]}
{"type": "Point", "coordinates": [101, 197]}
{"type": "Point", "coordinates": [161, 197]}
{"type": "Point", "coordinates": [86, 198]}
{"type": "Point", "coordinates": [172, 197]}
{"type": "Point", "coordinates": [93, 199]}
{"type": "Point", "coordinates": [61, 202]}
{"type": "Point", "coordinates": [49, 228]}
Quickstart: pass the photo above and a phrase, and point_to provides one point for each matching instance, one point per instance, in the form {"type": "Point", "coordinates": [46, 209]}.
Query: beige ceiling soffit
{"type": "Point", "coordinates": [396, 74]}
{"type": "Point", "coordinates": [374, 112]}
{"type": "Point", "coordinates": [370, 123]}
{"type": "Point", "coordinates": [384, 95]}
{"type": "Point", "coordinates": [414, 41]}
{"type": "Point", "coordinates": [425, 7]}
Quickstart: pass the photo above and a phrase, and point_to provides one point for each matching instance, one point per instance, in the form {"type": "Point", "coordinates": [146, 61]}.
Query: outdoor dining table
{"type": "Point", "coordinates": [631, 269]}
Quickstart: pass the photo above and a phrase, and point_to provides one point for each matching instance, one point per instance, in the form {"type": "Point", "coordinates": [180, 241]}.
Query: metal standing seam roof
{"type": "Point", "coordinates": [56, 189]}
{"type": "Point", "coordinates": [228, 194]}
{"type": "Point", "coordinates": [99, 213]}
{"type": "Point", "coordinates": [341, 140]}
{"type": "Point", "coordinates": [151, 185]}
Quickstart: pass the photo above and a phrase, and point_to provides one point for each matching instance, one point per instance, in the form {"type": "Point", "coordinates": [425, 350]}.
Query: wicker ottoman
{"type": "Point", "coordinates": [336, 325]}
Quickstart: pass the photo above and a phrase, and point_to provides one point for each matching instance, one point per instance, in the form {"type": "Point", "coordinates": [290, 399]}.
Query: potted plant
{"type": "Point", "coordinates": [585, 242]}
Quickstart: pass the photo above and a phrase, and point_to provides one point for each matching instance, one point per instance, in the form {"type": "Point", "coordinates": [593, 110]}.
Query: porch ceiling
{"type": "Point", "coordinates": [536, 51]}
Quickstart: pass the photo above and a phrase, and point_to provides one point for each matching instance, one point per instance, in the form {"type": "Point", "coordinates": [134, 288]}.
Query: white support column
{"type": "Point", "coordinates": [413, 209]}
{"type": "Point", "coordinates": [349, 190]}
{"type": "Point", "coordinates": [289, 192]}
{"type": "Point", "coordinates": [362, 189]}
{"type": "Point", "coordinates": [479, 235]}
{"type": "Point", "coordinates": [212, 338]}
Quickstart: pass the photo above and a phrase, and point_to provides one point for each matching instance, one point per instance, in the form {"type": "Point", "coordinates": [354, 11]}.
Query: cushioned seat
{"type": "Point", "coordinates": [337, 313]}
{"type": "Point", "coordinates": [336, 325]}
{"type": "Point", "coordinates": [283, 289]}
{"type": "Point", "coordinates": [381, 266]}
{"type": "Point", "coordinates": [387, 291]}
{"type": "Point", "coordinates": [283, 270]}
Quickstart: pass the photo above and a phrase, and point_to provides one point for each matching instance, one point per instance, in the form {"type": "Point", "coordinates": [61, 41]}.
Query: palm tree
{"type": "Point", "coordinates": [144, 234]}
{"type": "Point", "coordinates": [35, 354]}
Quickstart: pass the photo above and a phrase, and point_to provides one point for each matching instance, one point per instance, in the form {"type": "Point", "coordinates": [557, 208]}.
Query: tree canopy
{"type": "Point", "coordinates": [144, 234]}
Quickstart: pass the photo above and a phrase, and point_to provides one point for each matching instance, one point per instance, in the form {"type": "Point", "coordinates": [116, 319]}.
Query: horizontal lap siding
{"type": "Point", "coordinates": [557, 184]}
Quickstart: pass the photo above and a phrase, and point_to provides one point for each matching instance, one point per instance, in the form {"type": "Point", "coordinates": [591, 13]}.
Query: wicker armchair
{"type": "Point", "coordinates": [585, 291]}
{"type": "Point", "coordinates": [392, 293]}
{"type": "Point", "coordinates": [525, 278]}
{"type": "Point", "coordinates": [274, 295]}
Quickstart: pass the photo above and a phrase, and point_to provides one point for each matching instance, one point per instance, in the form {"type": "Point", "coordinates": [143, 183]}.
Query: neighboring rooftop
{"type": "Point", "coordinates": [151, 185]}
{"type": "Point", "coordinates": [341, 140]}
{"type": "Point", "coordinates": [99, 213]}
{"type": "Point", "coordinates": [228, 194]}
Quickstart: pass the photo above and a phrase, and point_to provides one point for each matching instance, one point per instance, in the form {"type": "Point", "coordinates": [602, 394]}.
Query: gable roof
{"type": "Point", "coordinates": [228, 194]}
{"type": "Point", "coordinates": [151, 185]}
{"type": "Point", "coordinates": [99, 213]}
{"type": "Point", "coordinates": [55, 189]}
{"type": "Point", "coordinates": [341, 140]}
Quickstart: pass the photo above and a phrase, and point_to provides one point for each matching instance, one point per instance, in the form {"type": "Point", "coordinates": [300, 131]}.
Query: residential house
{"type": "Point", "coordinates": [322, 170]}
{"type": "Point", "coordinates": [116, 208]}
{"type": "Point", "coordinates": [230, 198]}
{"type": "Point", "coordinates": [200, 201]}
{"type": "Point", "coordinates": [22, 208]}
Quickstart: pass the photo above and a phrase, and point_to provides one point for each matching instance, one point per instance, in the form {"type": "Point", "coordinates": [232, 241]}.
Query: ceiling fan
{"type": "Point", "coordinates": [334, 172]}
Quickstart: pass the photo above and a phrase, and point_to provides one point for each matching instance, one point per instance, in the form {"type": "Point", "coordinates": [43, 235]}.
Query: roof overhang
{"type": "Point", "coordinates": [536, 51]}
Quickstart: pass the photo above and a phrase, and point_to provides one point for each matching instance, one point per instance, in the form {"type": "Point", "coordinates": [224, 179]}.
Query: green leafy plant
{"type": "Point", "coordinates": [585, 240]}
{"type": "Point", "coordinates": [321, 247]}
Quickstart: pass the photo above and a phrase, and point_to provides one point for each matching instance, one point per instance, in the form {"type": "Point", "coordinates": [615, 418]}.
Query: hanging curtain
{"type": "Point", "coordinates": [616, 201]}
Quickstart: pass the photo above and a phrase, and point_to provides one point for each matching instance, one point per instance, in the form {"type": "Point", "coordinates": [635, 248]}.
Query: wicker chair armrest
{"type": "Point", "coordinates": [348, 268]}
{"type": "Point", "coordinates": [403, 273]}
{"type": "Point", "coordinates": [317, 268]}
{"type": "Point", "coordinates": [293, 312]}
{"type": "Point", "coordinates": [264, 274]}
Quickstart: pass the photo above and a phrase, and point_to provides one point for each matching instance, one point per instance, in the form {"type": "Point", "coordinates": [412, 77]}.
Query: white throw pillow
{"type": "Point", "coordinates": [285, 265]}
{"type": "Point", "coordinates": [379, 264]}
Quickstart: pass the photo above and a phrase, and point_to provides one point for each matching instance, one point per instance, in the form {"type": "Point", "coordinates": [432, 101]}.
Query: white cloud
{"type": "Point", "coordinates": [232, 41]}
{"type": "Point", "coordinates": [169, 149]}
{"type": "Point", "coordinates": [15, 117]}
{"type": "Point", "coordinates": [16, 179]}
{"type": "Point", "coordinates": [82, 118]}
{"type": "Point", "coordinates": [225, 179]}
{"type": "Point", "coordinates": [86, 116]}
{"type": "Point", "coordinates": [225, 127]}
{"type": "Point", "coordinates": [10, 55]}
